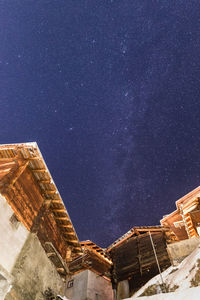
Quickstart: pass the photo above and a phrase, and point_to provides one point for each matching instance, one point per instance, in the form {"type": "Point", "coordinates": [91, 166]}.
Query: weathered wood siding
{"type": "Point", "coordinates": [49, 231]}
{"type": "Point", "coordinates": [135, 257]}
{"type": "Point", "coordinates": [91, 261]}
{"type": "Point", "coordinates": [180, 232]}
{"type": "Point", "coordinates": [25, 198]}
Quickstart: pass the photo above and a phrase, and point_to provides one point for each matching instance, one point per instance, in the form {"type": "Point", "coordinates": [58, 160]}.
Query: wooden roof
{"type": "Point", "coordinates": [94, 258]}
{"type": "Point", "coordinates": [136, 231]}
{"type": "Point", "coordinates": [96, 249]}
{"type": "Point", "coordinates": [14, 158]}
{"type": "Point", "coordinates": [135, 257]}
{"type": "Point", "coordinates": [186, 201]}
{"type": "Point", "coordinates": [185, 205]}
{"type": "Point", "coordinates": [188, 197]}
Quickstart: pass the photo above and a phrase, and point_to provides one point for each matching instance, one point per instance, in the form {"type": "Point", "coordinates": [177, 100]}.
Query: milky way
{"type": "Point", "coordinates": [110, 90]}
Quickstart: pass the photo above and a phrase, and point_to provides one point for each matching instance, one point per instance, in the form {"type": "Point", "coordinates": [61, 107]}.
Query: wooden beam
{"type": "Point", "coordinates": [13, 175]}
{"type": "Point", "coordinates": [19, 172]}
{"type": "Point", "coordinates": [65, 225]}
{"type": "Point", "coordinates": [58, 210]}
{"type": "Point", "coordinates": [69, 233]}
{"type": "Point", "coordinates": [151, 229]}
{"type": "Point", "coordinates": [77, 248]}
{"type": "Point", "coordinates": [2, 171]}
{"type": "Point", "coordinates": [79, 253]}
{"type": "Point", "coordinates": [44, 181]}
{"type": "Point", "coordinates": [62, 218]}
{"type": "Point", "coordinates": [47, 202]}
{"type": "Point", "coordinates": [60, 270]}
{"type": "Point", "coordinates": [49, 191]}
{"type": "Point", "coordinates": [39, 170]}
{"type": "Point", "coordinates": [56, 201]}
{"type": "Point", "coordinates": [139, 256]}
{"type": "Point", "coordinates": [52, 254]}
{"type": "Point", "coordinates": [72, 241]}
{"type": "Point", "coordinates": [136, 231]}
{"type": "Point", "coordinates": [32, 158]}
{"type": "Point", "coordinates": [6, 159]}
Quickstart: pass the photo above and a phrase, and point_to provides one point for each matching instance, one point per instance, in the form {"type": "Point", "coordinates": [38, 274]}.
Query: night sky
{"type": "Point", "coordinates": [110, 91]}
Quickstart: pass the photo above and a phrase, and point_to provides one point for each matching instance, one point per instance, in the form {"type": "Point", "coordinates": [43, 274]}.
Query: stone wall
{"type": "Point", "coordinates": [179, 250]}
{"type": "Point", "coordinates": [33, 273]}
{"type": "Point", "coordinates": [13, 236]}
{"type": "Point", "coordinates": [25, 270]}
{"type": "Point", "coordinates": [123, 290]}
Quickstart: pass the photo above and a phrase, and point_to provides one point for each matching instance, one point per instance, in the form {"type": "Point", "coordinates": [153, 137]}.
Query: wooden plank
{"type": "Point", "coordinates": [69, 233]}
{"type": "Point", "coordinates": [139, 256]}
{"type": "Point", "coordinates": [49, 192]}
{"type": "Point", "coordinates": [51, 254]}
{"type": "Point", "coordinates": [48, 181]}
{"type": "Point", "coordinates": [60, 270]}
{"type": "Point", "coordinates": [39, 170]}
{"type": "Point", "coordinates": [61, 218]}
{"type": "Point", "coordinates": [3, 171]}
{"type": "Point", "coordinates": [56, 201]}
{"type": "Point", "coordinates": [72, 242]}
{"type": "Point", "coordinates": [58, 210]}
{"type": "Point", "coordinates": [15, 174]}
{"type": "Point", "coordinates": [136, 231]}
{"type": "Point", "coordinates": [65, 226]}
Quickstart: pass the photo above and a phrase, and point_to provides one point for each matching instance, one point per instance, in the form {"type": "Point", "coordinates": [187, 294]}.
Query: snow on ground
{"type": "Point", "coordinates": [188, 294]}
{"type": "Point", "coordinates": [176, 278]}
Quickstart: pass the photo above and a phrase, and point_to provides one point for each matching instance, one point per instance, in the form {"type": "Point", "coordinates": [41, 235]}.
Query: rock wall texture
{"type": "Point", "coordinates": [33, 274]}
{"type": "Point", "coordinates": [180, 250]}
{"type": "Point", "coordinates": [13, 236]}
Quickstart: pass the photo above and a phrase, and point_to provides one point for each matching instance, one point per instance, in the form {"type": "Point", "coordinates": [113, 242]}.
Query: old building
{"type": "Point", "coordinates": [134, 261]}
{"type": "Point", "coordinates": [37, 235]}
{"type": "Point", "coordinates": [91, 274]}
{"type": "Point", "coordinates": [41, 256]}
{"type": "Point", "coordinates": [185, 220]}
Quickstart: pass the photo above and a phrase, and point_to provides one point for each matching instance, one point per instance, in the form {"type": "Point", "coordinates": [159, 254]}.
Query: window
{"type": "Point", "coordinates": [70, 284]}
{"type": "Point", "coordinates": [14, 221]}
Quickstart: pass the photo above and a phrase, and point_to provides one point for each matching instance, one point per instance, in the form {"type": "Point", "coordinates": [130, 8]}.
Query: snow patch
{"type": "Point", "coordinates": [177, 279]}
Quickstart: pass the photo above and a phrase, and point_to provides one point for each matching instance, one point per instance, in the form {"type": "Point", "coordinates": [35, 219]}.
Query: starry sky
{"type": "Point", "coordinates": [110, 91]}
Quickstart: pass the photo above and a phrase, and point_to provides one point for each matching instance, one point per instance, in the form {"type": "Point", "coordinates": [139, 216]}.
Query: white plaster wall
{"type": "Point", "coordinates": [79, 289]}
{"type": "Point", "coordinates": [98, 287]}
{"type": "Point", "coordinates": [11, 239]}
{"type": "Point", "coordinates": [89, 286]}
{"type": "Point", "coordinates": [5, 282]}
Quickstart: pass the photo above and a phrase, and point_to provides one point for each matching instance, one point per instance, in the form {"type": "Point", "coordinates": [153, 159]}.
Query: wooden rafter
{"type": "Point", "coordinates": [16, 158]}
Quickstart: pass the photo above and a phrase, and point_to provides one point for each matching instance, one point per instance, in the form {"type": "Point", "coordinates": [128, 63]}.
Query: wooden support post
{"type": "Point", "coordinates": [154, 250]}
{"type": "Point", "coordinates": [185, 222]}
{"type": "Point", "coordinates": [139, 256]}
{"type": "Point", "coordinates": [10, 179]}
